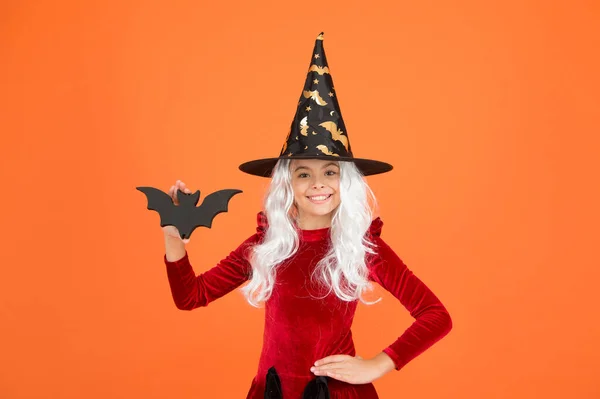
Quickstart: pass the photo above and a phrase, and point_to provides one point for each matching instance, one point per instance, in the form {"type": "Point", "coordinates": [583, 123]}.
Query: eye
{"type": "Point", "coordinates": [302, 175]}
{"type": "Point", "coordinates": [331, 173]}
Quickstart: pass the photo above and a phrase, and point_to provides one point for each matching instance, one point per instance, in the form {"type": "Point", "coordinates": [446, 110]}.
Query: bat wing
{"type": "Point", "coordinates": [160, 202]}
{"type": "Point", "coordinates": [273, 384]}
{"type": "Point", "coordinates": [316, 388]}
{"type": "Point", "coordinates": [212, 205]}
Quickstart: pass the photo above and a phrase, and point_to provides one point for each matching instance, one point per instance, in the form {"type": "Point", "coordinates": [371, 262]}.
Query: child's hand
{"type": "Point", "coordinates": [172, 231]}
{"type": "Point", "coordinates": [353, 370]}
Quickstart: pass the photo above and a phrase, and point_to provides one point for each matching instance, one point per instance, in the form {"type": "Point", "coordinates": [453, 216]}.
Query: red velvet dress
{"type": "Point", "coordinates": [300, 329]}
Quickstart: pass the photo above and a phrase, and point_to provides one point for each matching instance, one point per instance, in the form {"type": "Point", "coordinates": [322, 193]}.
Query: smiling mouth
{"type": "Point", "coordinates": [319, 198]}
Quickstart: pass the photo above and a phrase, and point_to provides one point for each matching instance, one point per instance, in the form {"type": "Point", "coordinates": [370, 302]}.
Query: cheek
{"type": "Point", "coordinates": [336, 187]}
{"type": "Point", "coordinates": [299, 190]}
{"type": "Point", "coordinates": [337, 199]}
{"type": "Point", "coordinates": [335, 184]}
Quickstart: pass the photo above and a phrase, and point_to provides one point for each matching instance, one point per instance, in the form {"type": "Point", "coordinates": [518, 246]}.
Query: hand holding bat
{"type": "Point", "coordinates": [172, 231]}
{"type": "Point", "coordinates": [179, 215]}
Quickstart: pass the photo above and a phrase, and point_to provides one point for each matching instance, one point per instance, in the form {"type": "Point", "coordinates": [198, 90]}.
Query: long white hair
{"type": "Point", "coordinates": [343, 269]}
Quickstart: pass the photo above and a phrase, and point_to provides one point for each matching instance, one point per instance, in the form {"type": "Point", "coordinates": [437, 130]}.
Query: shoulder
{"type": "Point", "coordinates": [254, 239]}
{"type": "Point", "coordinates": [375, 228]}
{"type": "Point", "coordinates": [385, 258]}
{"type": "Point", "coordinates": [262, 223]}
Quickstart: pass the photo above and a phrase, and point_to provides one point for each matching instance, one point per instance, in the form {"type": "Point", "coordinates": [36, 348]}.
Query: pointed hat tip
{"type": "Point", "coordinates": [320, 37]}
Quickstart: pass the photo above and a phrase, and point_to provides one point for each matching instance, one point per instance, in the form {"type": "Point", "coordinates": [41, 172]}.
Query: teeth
{"type": "Point", "coordinates": [319, 198]}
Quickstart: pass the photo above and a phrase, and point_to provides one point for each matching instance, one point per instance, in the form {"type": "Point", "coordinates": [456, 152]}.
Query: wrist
{"type": "Point", "coordinates": [170, 236]}
{"type": "Point", "coordinates": [384, 363]}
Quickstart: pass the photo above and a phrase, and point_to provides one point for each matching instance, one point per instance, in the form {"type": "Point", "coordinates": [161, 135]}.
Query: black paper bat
{"type": "Point", "coordinates": [316, 388]}
{"type": "Point", "coordinates": [186, 216]}
{"type": "Point", "coordinates": [273, 385]}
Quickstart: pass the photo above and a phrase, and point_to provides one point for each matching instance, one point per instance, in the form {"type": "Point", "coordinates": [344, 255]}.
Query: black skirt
{"type": "Point", "coordinates": [316, 389]}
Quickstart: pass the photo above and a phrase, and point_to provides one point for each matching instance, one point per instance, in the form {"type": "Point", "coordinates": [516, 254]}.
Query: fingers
{"type": "Point", "coordinates": [350, 369]}
{"type": "Point", "coordinates": [341, 372]}
{"type": "Point", "coordinates": [331, 364]}
{"type": "Point", "coordinates": [339, 376]}
{"type": "Point", "coordinates": [179, 185]}
{"type": "Point", "coordinates": [329, 368]}
{"type": "Point", "coordinates": [332, 359]}
{"type": "Point", "coordinates": [344, 372]}
{"type": "Point", "coordinates": [173, 192]}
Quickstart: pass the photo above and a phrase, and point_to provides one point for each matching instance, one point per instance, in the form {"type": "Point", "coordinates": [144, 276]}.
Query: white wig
{"type": "Point", "coordinates": [343, 269]}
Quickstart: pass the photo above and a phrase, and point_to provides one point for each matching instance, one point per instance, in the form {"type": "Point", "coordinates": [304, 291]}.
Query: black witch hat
{"type": "Point", "coordinates": [318, 130]}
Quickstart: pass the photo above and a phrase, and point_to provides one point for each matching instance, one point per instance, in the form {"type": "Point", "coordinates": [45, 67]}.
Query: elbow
{"type": "Point", "coordinates": [189, 304]}
{"type": "Point", "coordinates": [181, 306]}
{"type": "Point", "coordinates": [437, 318]}
{"type": "Point", "coordinates": [446, 323]}
{"type": "Point", "coordinates": [188, 299]}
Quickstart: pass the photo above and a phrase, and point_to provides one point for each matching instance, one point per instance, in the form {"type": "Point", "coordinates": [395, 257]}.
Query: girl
{"type": "Point", "coordinates": [315, 251]}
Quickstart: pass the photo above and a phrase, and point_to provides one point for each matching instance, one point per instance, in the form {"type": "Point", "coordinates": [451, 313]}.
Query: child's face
{"type": "Point", "coordinates": [316, 186]}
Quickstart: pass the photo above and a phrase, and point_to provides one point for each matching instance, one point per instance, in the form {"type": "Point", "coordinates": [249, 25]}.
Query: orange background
{"type": "Point", "coordinates": [488, 111]}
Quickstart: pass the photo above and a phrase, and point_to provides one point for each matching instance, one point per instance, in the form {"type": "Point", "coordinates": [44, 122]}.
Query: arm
{"type": "Point", "coordinates": [191, 291]}
{"type": "Point", "coordinates": [432, 320]}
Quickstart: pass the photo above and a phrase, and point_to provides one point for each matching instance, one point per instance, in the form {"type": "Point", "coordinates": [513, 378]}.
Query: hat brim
{"type": "Point", "coordinates": [264, 167]}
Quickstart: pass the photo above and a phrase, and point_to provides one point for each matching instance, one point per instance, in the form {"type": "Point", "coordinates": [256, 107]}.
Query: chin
{"type": "Point", "coordinates": [321, 213]}
{"type": "Point", "coordinates": [312, 210]}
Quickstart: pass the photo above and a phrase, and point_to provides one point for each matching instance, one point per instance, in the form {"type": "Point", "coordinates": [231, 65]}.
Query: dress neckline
{"type": "Point", "coordinates": [314, 235]}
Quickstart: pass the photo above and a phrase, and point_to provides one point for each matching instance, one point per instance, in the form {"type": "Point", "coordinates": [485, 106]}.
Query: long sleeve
{"type": "Point", "coordinates": [191, 291]}
{"type": "Point", "coordinates": [432, 320]}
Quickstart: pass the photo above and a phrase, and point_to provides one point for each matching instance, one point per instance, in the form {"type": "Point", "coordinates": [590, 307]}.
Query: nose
{"type": "Point", "coordinates": [317, 184]}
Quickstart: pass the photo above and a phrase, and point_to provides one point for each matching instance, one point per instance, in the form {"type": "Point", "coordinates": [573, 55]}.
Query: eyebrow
{"type": "Point", "coordinates": [324, 166]}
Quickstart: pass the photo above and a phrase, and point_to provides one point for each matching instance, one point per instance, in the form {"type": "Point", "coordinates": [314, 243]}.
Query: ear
{"type": "Point", "coordinates": [294, 211]}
